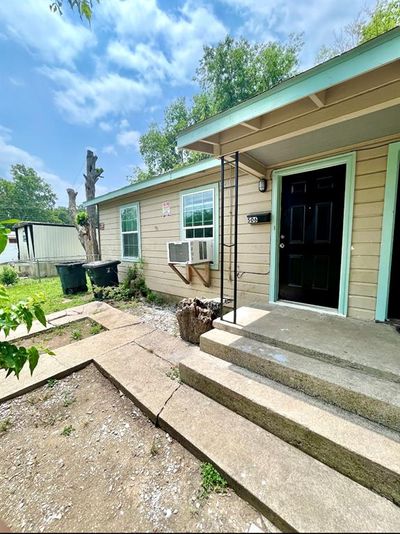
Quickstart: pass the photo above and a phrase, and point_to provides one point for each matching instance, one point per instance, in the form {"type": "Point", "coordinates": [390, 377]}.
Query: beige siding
{"type": "Point", "coordinates": [367, 226]}
{"type": "Point", "coordinates": [254, 241]}
{"type": "Point", "coordinates": [156, 231]}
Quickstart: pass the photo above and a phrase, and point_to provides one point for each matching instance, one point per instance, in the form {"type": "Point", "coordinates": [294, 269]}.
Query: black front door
{"type": "Point", "coordinates": [311, 236]}
{"type": "Point", "coordinates": [394, 295]}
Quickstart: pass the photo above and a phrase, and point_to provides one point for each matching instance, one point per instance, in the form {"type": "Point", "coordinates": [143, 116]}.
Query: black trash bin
{"type": "Point", "coordinates": [72, 276]}
{"type": "Point", "coordinates": [103, 273]}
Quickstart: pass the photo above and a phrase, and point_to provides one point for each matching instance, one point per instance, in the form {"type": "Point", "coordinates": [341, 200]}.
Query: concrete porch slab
{"type": "Point", "coordinates": [367, 346]}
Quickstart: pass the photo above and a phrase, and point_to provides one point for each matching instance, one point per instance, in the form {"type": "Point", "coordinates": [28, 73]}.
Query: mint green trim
{"type": "Point", "coordinates": [202, 166]}
{"type": "Point", "coordinates": [128, 258]}
{"type": "Point", "coordinates": [277, 176]}
{"type": "Point", "coordinates": [366, 57]}
{"type": "Point", "coordinates": [389, 216]}
{"type": "Point", "coordinates": [215, 188]}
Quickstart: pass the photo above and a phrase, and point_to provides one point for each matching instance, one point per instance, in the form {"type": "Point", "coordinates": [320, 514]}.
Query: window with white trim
{"type": "Point", "coordinates": [130, 232]}
{"type": "Point", "coordinates": [198, 217]}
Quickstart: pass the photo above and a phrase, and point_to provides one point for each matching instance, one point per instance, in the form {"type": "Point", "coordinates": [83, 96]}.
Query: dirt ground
{"type": "Point", "coordinates": [63, 335]}
{"type": "Point", "coordinates": [78, 456]}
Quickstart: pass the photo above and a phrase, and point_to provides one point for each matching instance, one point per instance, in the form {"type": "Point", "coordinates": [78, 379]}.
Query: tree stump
{"type": "Point", "coordinates": [195, 317]}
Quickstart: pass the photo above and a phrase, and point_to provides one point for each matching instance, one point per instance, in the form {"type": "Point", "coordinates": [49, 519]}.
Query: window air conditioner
{"type": "Point", "coordinates": [190, 252]}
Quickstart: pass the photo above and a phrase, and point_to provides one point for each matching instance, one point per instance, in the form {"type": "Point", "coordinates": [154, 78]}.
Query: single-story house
{"type": "Point", "coordinates": [315, 161]}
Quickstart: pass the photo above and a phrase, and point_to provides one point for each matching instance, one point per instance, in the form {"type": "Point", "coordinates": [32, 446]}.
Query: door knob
{"type": "Point", "coordinates": [282, 245]}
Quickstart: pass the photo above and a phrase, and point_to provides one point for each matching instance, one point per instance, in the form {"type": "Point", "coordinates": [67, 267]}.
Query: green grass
{"type": "Point", "coordinates": [51, 288]}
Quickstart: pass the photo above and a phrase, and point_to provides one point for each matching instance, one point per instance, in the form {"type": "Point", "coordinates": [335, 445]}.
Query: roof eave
{"type": "Point", "coordinates": [366, 57]}
{"type": "Point", "coordinates": [189, 170]}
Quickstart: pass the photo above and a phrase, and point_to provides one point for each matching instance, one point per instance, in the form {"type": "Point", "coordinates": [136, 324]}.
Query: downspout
{"type": "Point", "coordinates": [98, 229]}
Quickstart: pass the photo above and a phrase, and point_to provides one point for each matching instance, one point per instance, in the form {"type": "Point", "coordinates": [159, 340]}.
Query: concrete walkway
{"type": "Point", "coordinates": [295, 491]}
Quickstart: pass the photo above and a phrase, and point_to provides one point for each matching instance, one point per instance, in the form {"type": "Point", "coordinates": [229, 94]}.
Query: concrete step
{"type": "Point", "coordinates": [345, 342]}
{"type": "Point", "coordinates": [368, 396]}
{"type": "Point", "coordinates": [292, 489]}
{"type": "Point", "coordinates": [345, 443]}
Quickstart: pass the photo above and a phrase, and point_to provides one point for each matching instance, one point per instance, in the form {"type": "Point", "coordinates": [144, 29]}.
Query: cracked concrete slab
{"type": "Point", "coordinates": [168, 347]}
{"type": "Point", "coordinates": [141, 375]}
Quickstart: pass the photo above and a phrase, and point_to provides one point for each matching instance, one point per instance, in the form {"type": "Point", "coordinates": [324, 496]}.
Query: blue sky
{"type": "Point", "coordinates": [65, 87]}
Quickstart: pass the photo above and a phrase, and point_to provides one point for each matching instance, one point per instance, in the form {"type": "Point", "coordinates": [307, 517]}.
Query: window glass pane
{"type": "Point", "coordinates": [198, 217]}
{"type": "Point", "coordinates": [208, 232]}
{"type": "Point", "coordinates": [199, 232]}
{"type": "Point", "coordinates": [198, 208]}
{"type": "Point", "coordinates": [189, 233]}
{"type": "Point", "coordinates": [130, 245]}
{"type": "Point", "coordinates": [129, 219]}
{"type": "Point", "coordinates": [188, 218]}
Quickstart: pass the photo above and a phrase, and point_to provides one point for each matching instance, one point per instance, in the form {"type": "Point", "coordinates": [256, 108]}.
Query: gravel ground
{"type": "Point", "coordinates": [77, 456]}
{"type": "Point", "coordinates": [162, 316]}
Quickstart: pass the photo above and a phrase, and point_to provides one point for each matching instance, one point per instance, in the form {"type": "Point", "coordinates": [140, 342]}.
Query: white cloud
{"type": "Point", "coordinates": [269, 20]}
{"type": "Point", "coordinates": [110, 149]}
{"type": "Point", "coordinates": [129, 139]}
{"type": "Point", "coordinates": [53, 37]}
{"type": "Point", "coordinates": [157, 43]}
{"type": "Point", "coordinates": [11, 154]}
{"type": "Point", "coordinates": [105, 126]}
{"type": "Point", "coordinates": [85, 100]}
{"type": "Point", "coordinates": [15, 81]}
{"type": "Point", "coordinates": [124, 124]}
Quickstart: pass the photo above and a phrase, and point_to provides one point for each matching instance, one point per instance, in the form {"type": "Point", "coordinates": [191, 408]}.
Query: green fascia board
{"type": "Point", "coordinates": [366, 57]}
{"type": "Point", "coordinates": [205, 165]}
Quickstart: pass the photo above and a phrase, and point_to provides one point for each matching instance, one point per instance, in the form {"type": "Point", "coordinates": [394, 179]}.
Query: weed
{"type": "Point", "coordinates": [8, 276]}
{"type": "Point", "coordinates": [51, 383]}
{"type": "Point", "coordinates": [35, 399]}
{"type": "Point", "coordinates": [174, 374]}
{"type": "Point", "coordinates": [68, 400]}
{"type": "Point", "coordinates": [155, 449]}
{"type": "Point", "coordinates": [67, 430]}
{"type": "Point", "coordinates": [5, 424]}
{"type": "Point", "coordinates": [76, 335]}
{"type": "Point", "coordinates": [95, 328]}
{"type": "Point", "coordinates": [211, 479]}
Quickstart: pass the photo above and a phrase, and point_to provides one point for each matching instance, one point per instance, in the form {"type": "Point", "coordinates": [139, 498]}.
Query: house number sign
{"type": "Point", "coordinates": [258, 218]}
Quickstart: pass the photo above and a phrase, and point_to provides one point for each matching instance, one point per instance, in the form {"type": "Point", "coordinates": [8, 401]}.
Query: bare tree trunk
{"type": "Point", "coordinates": [82, 233]}
{"type": "Point", "coordinates": [87, 234]}
{"type": "Point", "coordinates": [91, 177]}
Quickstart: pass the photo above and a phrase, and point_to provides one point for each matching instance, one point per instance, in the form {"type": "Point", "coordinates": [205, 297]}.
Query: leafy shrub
{"type": "Point", "coordinates": [82, 218]}
{"type": "Point", "coordinates": [112, 293]}
{"type": "Point", "coordinates": [135, 282]}
{"type": "Point", "coordinates": [8, 276]}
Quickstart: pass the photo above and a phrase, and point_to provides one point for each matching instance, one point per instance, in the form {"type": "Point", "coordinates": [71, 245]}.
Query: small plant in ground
{"type": "Point", "coordinates": [68, 399]}
{"type": "Point", "coordinates": [211, 479]}
{"type": "Point", "coordinates": [174, 374]}
{"type": "Point", "coordinates": [76, 335]}
{"type": "Point", "coordinates": [153, 298]}
{"type": "Point", "coordinates": [95, 328]}
{"type": "Point", "coordinates": [5, 424]}
{"type": "Point", "coordinates": [8, 276]}
{"type": "Point", "coordinates": [51, 383]}
{"type": "Point", "coordinates": [67, 430]}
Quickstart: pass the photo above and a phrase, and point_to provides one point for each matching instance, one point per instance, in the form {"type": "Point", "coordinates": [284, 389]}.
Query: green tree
{"type": "Point", "coordinates": [368, 24]}
{"type": "Point", "coordinates": [26, 196]}
{"type": "Point", "coordinates": [236, 70]}
{"type": "Point", "coordinates": [83, 7]}
{"type": "Point", "coordinates": [228, 73]}
{"type": "Point", "coordinates": [383, 18]}
{"type": "Point", "coordinates": [61, 215]}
